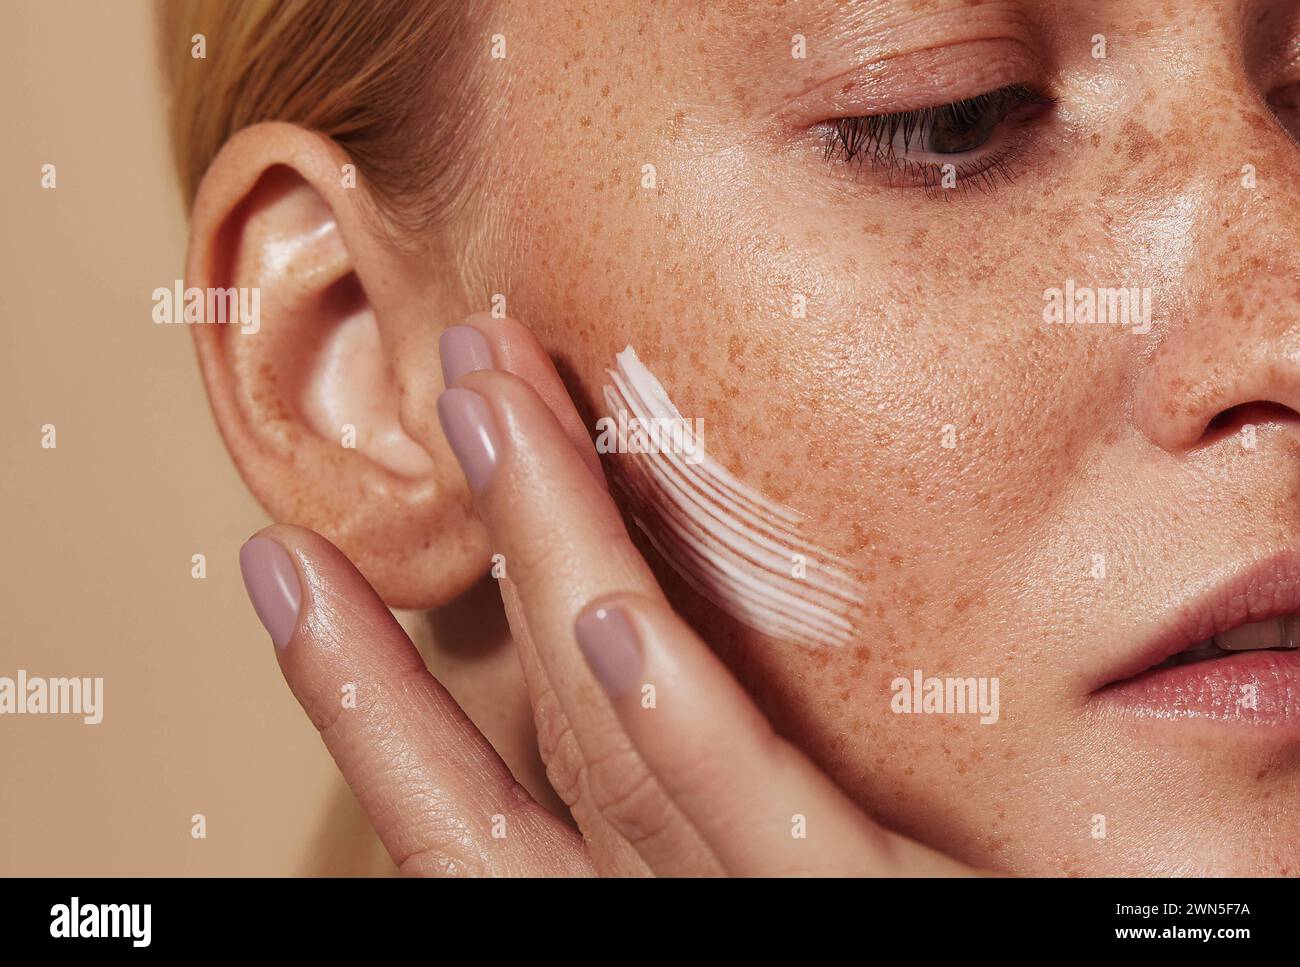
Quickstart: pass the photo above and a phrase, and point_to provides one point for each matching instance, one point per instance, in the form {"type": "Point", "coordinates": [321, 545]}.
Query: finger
{"type": "Point", "coordinates": [585, 756]}
{"type": "Point", "coordinates": [438, 795]}
{"type": "Point", "coordinates": [761, 805]}
{"type": "Point", "coordinates": [565, 546]}
{"type": "Point", "coordinates": [485, 342]}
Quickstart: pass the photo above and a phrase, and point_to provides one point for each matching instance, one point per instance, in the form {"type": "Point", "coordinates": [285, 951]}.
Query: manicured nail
{"type": "Point", "coordinates": [463, 349]}
{"type": "Point", "coordinates": [468, 424]}
{"type": "Point", "coordinates": [606, 638]}
{"type": "Point", "coordinates": [272, 584]}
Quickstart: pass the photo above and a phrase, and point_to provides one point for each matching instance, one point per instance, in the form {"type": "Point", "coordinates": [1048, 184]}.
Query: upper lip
{"type": "Point", "coordinates": [1269, 588]}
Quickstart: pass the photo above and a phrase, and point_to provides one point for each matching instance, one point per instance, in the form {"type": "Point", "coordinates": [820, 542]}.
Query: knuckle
{"type": "Point", "coordinates": [551, 723]}
{"type": "Point", "coordinates": [564, 766]}
{"type": "Point", "coordinates": [627, 795]}
{"type": "Point", "coordinates": [615, 789]}
{"type": "Point", "coordinates": [440, 845]}
{"type": "Point", "coordinates": [443, 861]}
{"type": "Point", "coordinates": [558, 747]}
{"type": "Point", "coordinates": [375, 711]}
{"type": "Point", "coordinates": [324, 709]}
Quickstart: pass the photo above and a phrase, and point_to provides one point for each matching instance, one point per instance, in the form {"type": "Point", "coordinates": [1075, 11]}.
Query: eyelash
{"type": "Point", "coordinates": [869, 139]}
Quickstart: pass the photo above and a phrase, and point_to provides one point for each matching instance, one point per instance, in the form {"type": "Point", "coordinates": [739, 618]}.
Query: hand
{"type": "Point", "coordinates": [663, 760]}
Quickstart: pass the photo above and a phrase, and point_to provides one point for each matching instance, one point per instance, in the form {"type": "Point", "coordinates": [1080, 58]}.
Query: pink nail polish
{"type": "Point", "coordinates": [608, 641]}
{"type": "Point", "coordinates": [271, 580]}
{"type": "Point", "coordinates": [462, 349]}
{"type": "Point", "coordinates": [471, 431]}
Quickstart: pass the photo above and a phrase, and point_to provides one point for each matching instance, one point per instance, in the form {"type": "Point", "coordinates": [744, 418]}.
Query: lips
{"type": "Point", "coordinates": [1229, 655]}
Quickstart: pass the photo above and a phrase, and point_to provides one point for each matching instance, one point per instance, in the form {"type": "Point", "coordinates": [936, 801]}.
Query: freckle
{"type": "Point", "coordinates": [964, 601]}
{"type": "Point", "coordinates": [1096, 140]}
{"type": "Point", "coordinates": [1137, 141]}
{"type": "Point", "coordinates": [735, 346]}
{"type": "Point", "coordinates": [1261, 124]}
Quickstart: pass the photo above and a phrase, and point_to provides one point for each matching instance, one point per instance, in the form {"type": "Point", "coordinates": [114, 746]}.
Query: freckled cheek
{"type": "Point", "coordinates": [844, 413]}
{"type": "Point", "coordinates": [842, 417]}
{"type": "Point", "coordinates": [892, 763]}
{"type": "Point", "coordinates": [891, 443]}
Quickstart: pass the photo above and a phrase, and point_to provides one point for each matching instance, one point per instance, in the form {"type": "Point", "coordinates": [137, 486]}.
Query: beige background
{"type": "Point", "coordinates": [98, 534]}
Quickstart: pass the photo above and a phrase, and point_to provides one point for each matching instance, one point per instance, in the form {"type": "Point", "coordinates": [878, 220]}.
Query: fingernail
{"type": "Point", "coordinates": [608, 642]}
{"type": "Point", "coordinates": [462, 349]}
{"type": "Point", "coordinates": [468, 424]}
{"type": "Point", "coordinates": [272, 584]}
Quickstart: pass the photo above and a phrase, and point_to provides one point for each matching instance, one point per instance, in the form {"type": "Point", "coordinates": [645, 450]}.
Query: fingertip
{"type": "Point", "coordinates": [463, 349]}
{"type": "Point", "coordinates": [273, 585]}
{"type": "Point", "coordinates": [515, 349]}
{"type": "Point", "coordinates": [609, 642]}
{"type": "Point", "coordinates": [468, 423]}
{"type": "Point", "coordinates": [284, 567]}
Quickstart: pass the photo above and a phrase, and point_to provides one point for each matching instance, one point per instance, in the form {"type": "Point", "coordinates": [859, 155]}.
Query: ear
{"type": "Point", "coordinates": [327, 399]}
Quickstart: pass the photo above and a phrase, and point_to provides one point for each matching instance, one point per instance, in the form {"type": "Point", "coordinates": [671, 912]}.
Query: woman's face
{"type": "Point", "coordinates": [903, 358]}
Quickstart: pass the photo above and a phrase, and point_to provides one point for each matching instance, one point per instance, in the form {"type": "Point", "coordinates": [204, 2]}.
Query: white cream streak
{"type": "Point", "coordinates": [744, 552]}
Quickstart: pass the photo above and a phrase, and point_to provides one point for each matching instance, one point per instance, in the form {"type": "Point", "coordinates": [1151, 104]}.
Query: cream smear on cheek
{"type": "Point", "coordinates": [741, 550]}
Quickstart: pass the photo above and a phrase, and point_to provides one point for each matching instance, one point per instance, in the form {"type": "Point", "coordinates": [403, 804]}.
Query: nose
{"type": "Point", "coordinates": [1229, 345]}
{"type": "Point", "coordinates": [1232, 362]}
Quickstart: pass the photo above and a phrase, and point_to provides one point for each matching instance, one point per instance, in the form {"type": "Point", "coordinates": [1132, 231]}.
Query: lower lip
{"type": "Point", "coordinates": [1254, 688]}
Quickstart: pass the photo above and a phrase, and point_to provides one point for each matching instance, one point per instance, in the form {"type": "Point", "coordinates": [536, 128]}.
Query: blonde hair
{"type": "Point", "coordinates": [389, 80]}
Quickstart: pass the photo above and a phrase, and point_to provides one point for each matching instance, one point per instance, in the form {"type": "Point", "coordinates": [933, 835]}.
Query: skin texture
{"type": "Point", "coordinates": [923, 311]}
{"type": "Point", "coordinates": [665, 763]}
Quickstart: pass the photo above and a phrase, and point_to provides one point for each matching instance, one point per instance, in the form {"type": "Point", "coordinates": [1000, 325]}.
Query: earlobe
{"type": "Point", "coordinates": [311, 400]}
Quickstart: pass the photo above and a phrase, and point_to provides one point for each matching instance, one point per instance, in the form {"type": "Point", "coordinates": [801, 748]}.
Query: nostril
{"type": "Point", "coordinates": [1255, 413]}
